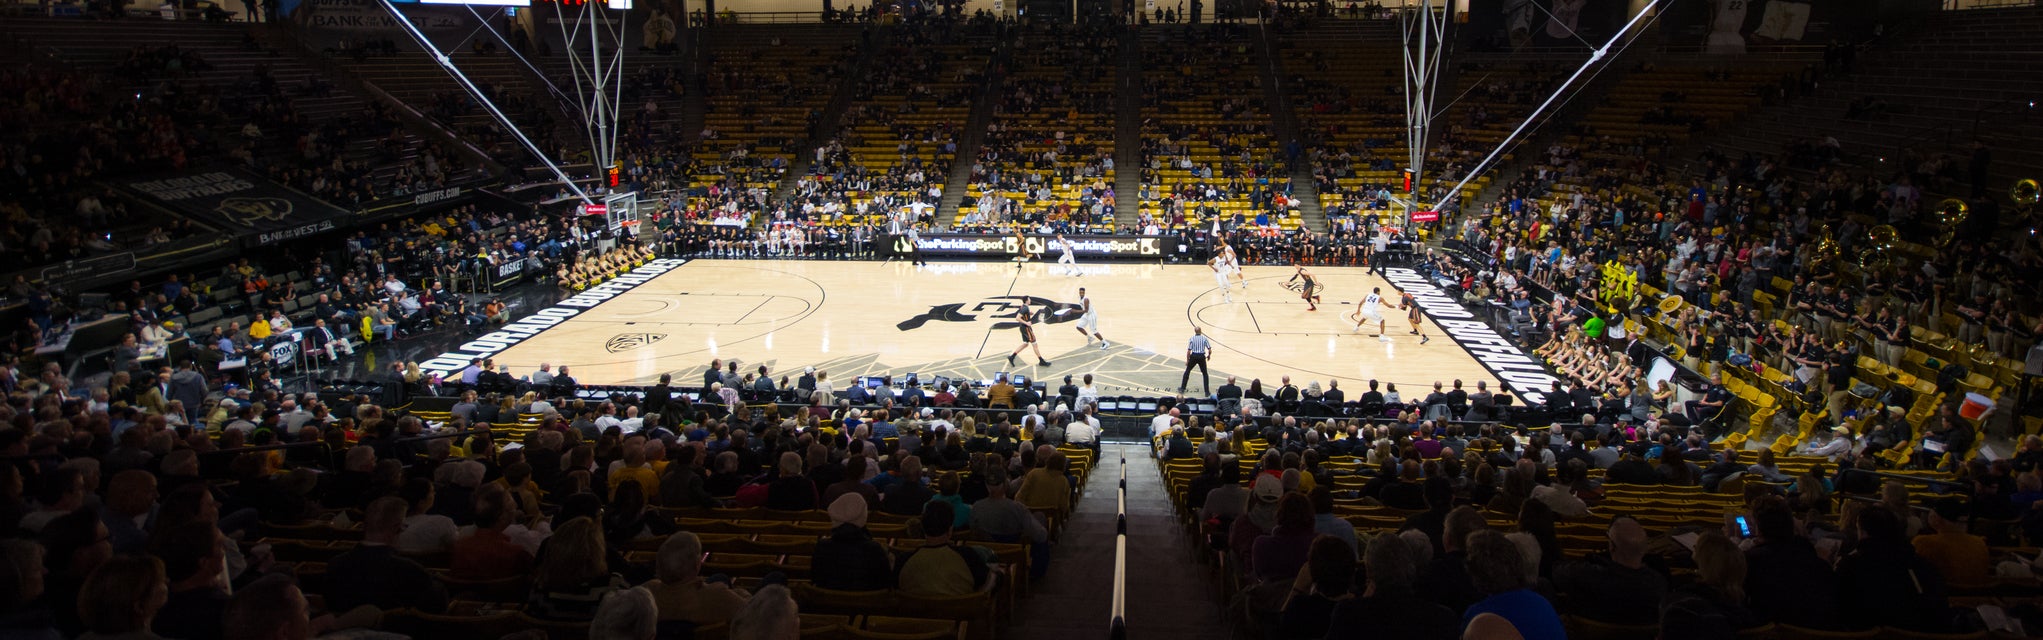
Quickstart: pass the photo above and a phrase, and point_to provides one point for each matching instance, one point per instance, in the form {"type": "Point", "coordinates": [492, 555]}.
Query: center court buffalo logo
{"type": "Point", "coordinates": [248, 211]}
{"type": "Point", "coordinates": [1294, 286]}
{"type": "Point", "coordinates": [627, 341]}
{"type": "Point", "coordinates": [996, 307]}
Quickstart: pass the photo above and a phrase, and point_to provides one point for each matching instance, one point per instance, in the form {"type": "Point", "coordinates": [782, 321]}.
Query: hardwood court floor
{"type": "Point", "coordinates": [867, 318]}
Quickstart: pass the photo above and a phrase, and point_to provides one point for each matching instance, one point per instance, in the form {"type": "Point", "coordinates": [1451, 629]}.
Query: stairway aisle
{"type": "Point", "coordinates": [1169, 595]}
{"type": "Point", "coordinates": [973, 136]}
{"type": "Point", "coordinates": [1128, 130]}
{"type": "Point", "coordinates": [825, 127]}
{"type": "Point", "coordinates": [1284, 123]}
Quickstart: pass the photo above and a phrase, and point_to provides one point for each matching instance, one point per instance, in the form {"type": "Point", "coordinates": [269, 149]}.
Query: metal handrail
{"type": "Point", "coordinates": [1117, 618]}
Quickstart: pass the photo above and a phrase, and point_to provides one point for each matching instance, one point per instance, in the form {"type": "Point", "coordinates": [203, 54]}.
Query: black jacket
{"type": "Point", "coordinates": [850, 560]}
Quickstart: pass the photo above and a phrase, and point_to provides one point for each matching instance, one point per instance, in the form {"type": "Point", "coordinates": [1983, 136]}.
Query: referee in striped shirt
{"type": "Point", "coordinates": [1196, 354]}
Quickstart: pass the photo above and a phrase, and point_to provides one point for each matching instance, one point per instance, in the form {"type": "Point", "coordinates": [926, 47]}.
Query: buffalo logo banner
{"type": "Point", "coordinates": [627, 341]}
{"type": "Point", "coordinates": [1003, 309]}
{"type": "Point", "coordinates": [234, 200]}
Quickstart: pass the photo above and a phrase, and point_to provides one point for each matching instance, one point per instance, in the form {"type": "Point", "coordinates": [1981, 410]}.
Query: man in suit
{"type": "Point", "coordinates": [1333, 396]}
{"type": "Point", "coordinates": [563, 384]}
{"type": "Point", "coordinates": [326, 342]}
{"type": "Point", "coordinates": [1068, 393]}
{"type": "Point", "coordinates": [1287, 396]}
{"type": "Point", "coordinates": [808, 380]}
{"type": "Point", "coordinates": [1229, 391]}
{"type": "Point", "coordinates": [714, 374]}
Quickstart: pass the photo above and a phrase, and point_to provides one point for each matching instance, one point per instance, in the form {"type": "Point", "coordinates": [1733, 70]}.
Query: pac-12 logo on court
{"type": "Point", "coordinates": [996, 307]}
{"type": "Point", "coordinates": [628, 341]}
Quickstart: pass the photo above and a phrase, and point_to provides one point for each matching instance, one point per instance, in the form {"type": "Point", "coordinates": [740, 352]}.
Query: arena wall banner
{"type": "Point", "coordinates": [522, 329]}
{"type": "Point", "coordinates": [1529, 377]}
{"type": "Point", "coordinates": [238, 202]}
{"type": "Point", "coordinates": [999, 246]}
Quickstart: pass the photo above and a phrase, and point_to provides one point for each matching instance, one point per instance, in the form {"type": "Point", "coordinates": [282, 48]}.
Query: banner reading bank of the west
{"type": "Point", "coordinates": [239, 202]}
{"type": "Point", "coordinates": [1004, 246]}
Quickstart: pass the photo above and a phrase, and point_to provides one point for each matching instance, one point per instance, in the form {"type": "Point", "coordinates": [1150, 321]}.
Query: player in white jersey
{"type": "Point", "coordinates": [1233, 263]}
{"type": "Point", "coordinates": [1219, 266]}
{"type": "Point", "coordinates": [1088, 320]}
{"type": "Point", "coordinates": [1369, 310]}
{"type": "Point", "coordinates": [1064, 245]}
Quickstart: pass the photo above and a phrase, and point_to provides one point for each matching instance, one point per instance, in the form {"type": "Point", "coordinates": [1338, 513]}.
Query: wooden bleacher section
{"type": "Point", "coordinates": [744, 543]}
{"type": "Point", "coordinates": [1072, 86]}
{"type": "Point", "coordinates": [897, 122]}
{"type": "Point", "coordinates": [1191, 87]}
{"type": "Point", "coordinates": [767, 83]}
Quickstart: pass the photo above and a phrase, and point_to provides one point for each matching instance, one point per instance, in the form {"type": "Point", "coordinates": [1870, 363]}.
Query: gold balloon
{"type": "Point", "coordinates": [2026, 193]}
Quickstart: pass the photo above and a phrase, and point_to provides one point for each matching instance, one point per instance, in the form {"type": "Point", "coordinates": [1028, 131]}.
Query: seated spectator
{"type": "Point", "coordinates": [1446, 579]}
{"type": "Point", "coordinates": [1259, 521]}
{"type": "Point", "coordinates": [196, 568]}
{"type": "Point", "coordinates": [630, 614]}
{"type": "Point", "coordinates": [1321, 586]}
{"type": "Point", "coordinates": [77, 545]}
{"type": "Point", "coordinates": [1325, 522]}
{"type": "Point", "coordinates": [121, 598]}
{"type": "Point", "coordinates": [272, 608]}
{"type": "Point", "coordinates": [1713, 606]}
{"type": "Point", "coordinates": [853, 482]}
{"type": "Point", "coordinates": [488, 553]}
{"type": "Point", "coordinates": [424, 533]}
{"type": "Point", "coordinates": [1885, 582]}
{"type": "Point", "coordinates": [1786, 580]}
{"type": "Point", "coordinates": [681, 593]}
{"type": "Point", "coordinates": [130, 510]}
{"type": "Point", "coordinates": [1496, 566]}
{"type": "Point", "coordinates": [907, 492]}
{"type": "Point", "coordinates": [941, 567]}
{"type": "Point", "coordinates": [1388, 607]}
{"type": "Point", "coordinates": [792, 490]}
{"type": "Point", "coordinates": [1046, 486]}
{"type": "Point", "coordinates": [1617, 587]}
{"type": "Point", "coordinates": [572, 574]}
{"type": "Point", "coordinates": [22, 614]}
{"type": "Point", "coordinates": [373, 574]}
{"type": "Point", "coordinates": [1277, 557]}
{"type": "Point", "coordinates": [771, 614]}
{"type": "Point", "coordinates": [849, 559]}
{"type": "Point", "coordinates": [1003, 520]}
{"type": "Point", "coordinates": [1957, 554]}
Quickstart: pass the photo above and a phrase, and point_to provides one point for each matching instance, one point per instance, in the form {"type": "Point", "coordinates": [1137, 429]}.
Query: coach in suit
{"type": "Point", "coordinates": [658, 395]}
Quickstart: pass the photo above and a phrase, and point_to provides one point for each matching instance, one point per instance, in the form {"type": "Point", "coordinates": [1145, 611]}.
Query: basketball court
{"type": "Point", "coordinates": [853, 319]}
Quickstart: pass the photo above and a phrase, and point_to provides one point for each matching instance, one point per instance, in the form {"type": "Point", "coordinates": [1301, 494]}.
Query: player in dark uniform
{"type": "Point", "coordinates": [1411, 306]}
{"type": "Point", "coordinates": [1026, 320]}
{"type": "Point", "coordinates": [1309, 291]}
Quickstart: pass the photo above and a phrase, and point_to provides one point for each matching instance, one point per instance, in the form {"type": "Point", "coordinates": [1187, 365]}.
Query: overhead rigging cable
{"type": "Point", "coordinates": [1577, 93]}
{"type": "Point", "coordinates": [536, 71]}
{"type": "Point", "coordinates": [1594, 57]}
{"type": "Point", "coordinates": [447, 63]}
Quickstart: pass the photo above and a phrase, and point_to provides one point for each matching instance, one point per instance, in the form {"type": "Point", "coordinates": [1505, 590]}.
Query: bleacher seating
{"type": "Point", "coordinates": [1203, 113]}
{"type": "Point", "coordinates": [1048, 154]}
